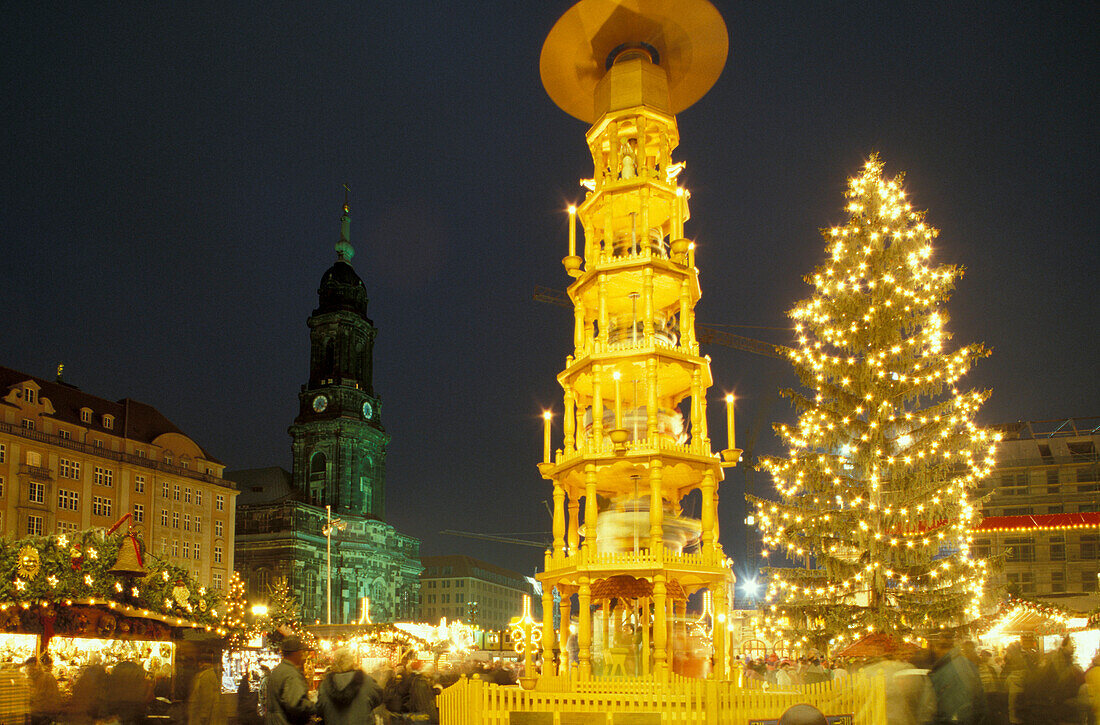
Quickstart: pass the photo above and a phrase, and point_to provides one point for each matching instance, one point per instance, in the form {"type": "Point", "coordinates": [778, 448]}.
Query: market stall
{"type": "Point", "coordinates": [94, 598]}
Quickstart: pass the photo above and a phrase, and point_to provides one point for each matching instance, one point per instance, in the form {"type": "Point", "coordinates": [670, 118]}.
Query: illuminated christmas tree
{"type": "Point", "coordinates": [236, 609]}
{"type": "Point", "coordinates": [873, 506]}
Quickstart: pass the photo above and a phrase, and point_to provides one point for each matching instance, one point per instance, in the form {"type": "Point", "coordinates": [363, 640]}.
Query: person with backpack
{"type": "Point", "coordinates": [347, 695]}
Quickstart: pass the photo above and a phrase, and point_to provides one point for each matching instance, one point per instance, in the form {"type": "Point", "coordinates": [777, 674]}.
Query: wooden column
{"type": "Point", "coordinates": [569, 420]}
{"type": "Point", "coordinates": [707, 516]}
{"type": "Point", "coordinates": [720, 626]}
{"type": "Point", "coordinates": [574, 540]}
{"type": "Point", "coordinates": [597, 409]}
{"type": "Point", "coordinates": [660, 629]}
{"type": "Point", "coordinates": [584, 630]}
{"type": "Point", "coordinates": [559, 519]}
{"type": "Point", "coordinates": [563, 635]}
{"type": "Point", "coordinates": [651, 401]}
{"type": "Point", "coordinates": [547, 629]}
{"type": "Point", "coordinates": [656, 510]}
{"type": "Point", "coordinates": [591, 508]}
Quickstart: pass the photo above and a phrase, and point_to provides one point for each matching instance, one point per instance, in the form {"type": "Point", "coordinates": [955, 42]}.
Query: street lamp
{"type": "Point", "coordinates": [331, 525]}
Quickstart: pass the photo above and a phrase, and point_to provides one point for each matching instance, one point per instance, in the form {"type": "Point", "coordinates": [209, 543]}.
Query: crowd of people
{"type": "Point", "coordinates": [121, 694]}
{"type": "Point", "coordinates": [949, 683]}
{"type": "Point", "coordinates": [347, 694]}
{"type": "Point", "coordinates": [945, 683]}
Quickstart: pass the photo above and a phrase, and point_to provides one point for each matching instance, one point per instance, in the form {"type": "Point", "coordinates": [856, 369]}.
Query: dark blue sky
{"type": "Point", "coordinates": [172, 185]}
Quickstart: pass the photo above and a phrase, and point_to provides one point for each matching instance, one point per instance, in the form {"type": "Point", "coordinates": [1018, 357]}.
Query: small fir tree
{"type": "Point", "coordinates": [235, 619]}
{"type": "Point", "coordinates": [874, 506]}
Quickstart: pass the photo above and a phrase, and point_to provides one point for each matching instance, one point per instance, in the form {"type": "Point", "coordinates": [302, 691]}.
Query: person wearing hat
{"type": "Point", "coordinates": [288, 700]}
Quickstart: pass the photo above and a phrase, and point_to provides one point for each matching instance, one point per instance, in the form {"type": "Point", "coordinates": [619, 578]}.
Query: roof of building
{"type": "Point", "coordinates": [465, 566]}
{"type": "Point", "coordinates": [261, 485]}
{"type": "Point", "coordinates": [1057, 428]}
{"type": "Point", "coordinates": [133, 419]}
{"type": "Point", "coordinates": [1040, 522]}
{"type": "Point", "coordinates": [341, 290]}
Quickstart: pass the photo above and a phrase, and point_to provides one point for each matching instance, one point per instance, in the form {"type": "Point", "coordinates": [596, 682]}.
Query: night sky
{"type": "Point", "coordinates": [172, 187]}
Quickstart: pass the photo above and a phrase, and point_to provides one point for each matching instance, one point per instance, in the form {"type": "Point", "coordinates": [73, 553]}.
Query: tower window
{"type": "Point", "coordinates": [318, 473]}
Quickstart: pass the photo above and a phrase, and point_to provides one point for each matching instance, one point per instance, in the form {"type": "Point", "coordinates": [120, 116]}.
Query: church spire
{"type": "Point", "coordinates": [344, 250]}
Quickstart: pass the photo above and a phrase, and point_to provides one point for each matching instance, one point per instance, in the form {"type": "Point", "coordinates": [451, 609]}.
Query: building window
{"type": "Point", "coordinates": [187, 522]}
{"type": "Point", "coordinates": [97, 443]}
{"type": "Point", "coordinates": [1020, 549]}
{"type": "Point", "coordinates": [139, 484]}
{"type": "Point", "coordinates": [65, 435]}
{"type": "Point", "coordinates": [219, 503]}
{"type": "Point", "coordinates": [36, 493]}
{"type": "Point", "coordinates": [217, 527]}
{"type": "Point", "coordinates": [66, 527]}
{"type": "Point", "coordinates": [164, 489]}
{"type": "Point", "coordinates": [198, 525]}
{"type": "Point", "coordinates": [1, 491]}
{"type": "Point", "coordinates": [186, 550]}
{"type": "Point", "coordinates": [69, 469]}
{"type": "Point", "coordinates": [1089, 546]}
{"type": "Point", "coordinates": [1057, 581]}
{"type": "Point", "coordinates": [1057, 548]}
{"type": "Point", "coordinates": [981, 548]}
{"type": "Point", "coordinates": [164, 517]}
{"type": "Point", "coordinates": [139, 513]}
{"type": "Point", "coordinates": [1014, 484]}
{"type": "Point", "coordinates": [101, 506]}
{"type": "Point", "coordinates": [217, 580]}
{"type": "Point", "coordinates": [1052, 481]}
{"type": "Point", "coordinates": [1088, 581]}
{"type": "Point", "coordinates": [175, 547]}
{"type": "Point", "coordinates": [176, 492]}
{"type": "Point", "coordinates": [1082, 451]}
{"type": "Point", "coordinates": [28, 424]}
{"type": "Point", "coordinates": [175, 519]}
{"type": "Point", "coordinates": [34, 525]}
{"type": "Point", "coordinates": [197, 557]}
{"type": "Point", "coordinates": [85, 415]}
{"type": "Point", "coordinates": [68, 500]}
{"type": "Point", "coordinates": [3, 452]}
{"type": "Point", "coordinates": [29, 395]}
{"type": "Point", "coordinates": [103, 476]}
{"type": "Point", "coordinates": [108, 421]}
{"type": "Point", "coordinates": [198, 497]}
{"type": "Point", "coordinates": [168, 457]}
{"type": "Point", "coordinates": [217, 553]}
{"type": "Point", "coordinates": [1059, 509]}
{"type": "Point", "coordinates": [34, 458]}
{"type": "Point", "coordinates": [187, 495]}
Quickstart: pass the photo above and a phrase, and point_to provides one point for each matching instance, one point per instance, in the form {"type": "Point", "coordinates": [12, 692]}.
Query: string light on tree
{"type": "Point", "coordinates": [873, 493]}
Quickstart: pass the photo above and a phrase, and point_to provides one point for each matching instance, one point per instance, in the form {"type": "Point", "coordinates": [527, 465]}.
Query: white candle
{"type": "Point", "coordinates": [729, 421]}
{"type": "Point", "coordinates": [618, 401]}
{"type": "Point", "coordinates": [678, 218]}
{"type": "Point", "coordinates": [572, 231]}
{"type": "Point", "coordinates": [546, 416]}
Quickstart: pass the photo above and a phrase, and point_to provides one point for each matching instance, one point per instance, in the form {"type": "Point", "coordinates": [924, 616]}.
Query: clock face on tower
{"type": "Point", "coordinates": [320, 403]}
{"type": "Point", "coordinates": [368, 409]}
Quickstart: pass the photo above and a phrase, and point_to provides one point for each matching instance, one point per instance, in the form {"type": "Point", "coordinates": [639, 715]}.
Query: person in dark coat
{"type": "Point", "coordinates": [347, 695]}
{"type": "Point", "coordinates": [287, 699]}
{"type": "Point", "coordinates": [960, 699]}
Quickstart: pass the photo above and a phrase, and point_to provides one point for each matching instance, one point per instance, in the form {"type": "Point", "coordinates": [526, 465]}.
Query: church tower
{"type": "Point", "coordinates": [339, 443]}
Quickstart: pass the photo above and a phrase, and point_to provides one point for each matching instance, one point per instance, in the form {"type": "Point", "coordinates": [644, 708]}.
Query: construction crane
{"type": "Point", "coordinates": [545, 544]}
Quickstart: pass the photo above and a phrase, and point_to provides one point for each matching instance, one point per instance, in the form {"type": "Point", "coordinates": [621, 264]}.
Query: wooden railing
{"type": "Point", "coordinates": [680, 700]}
